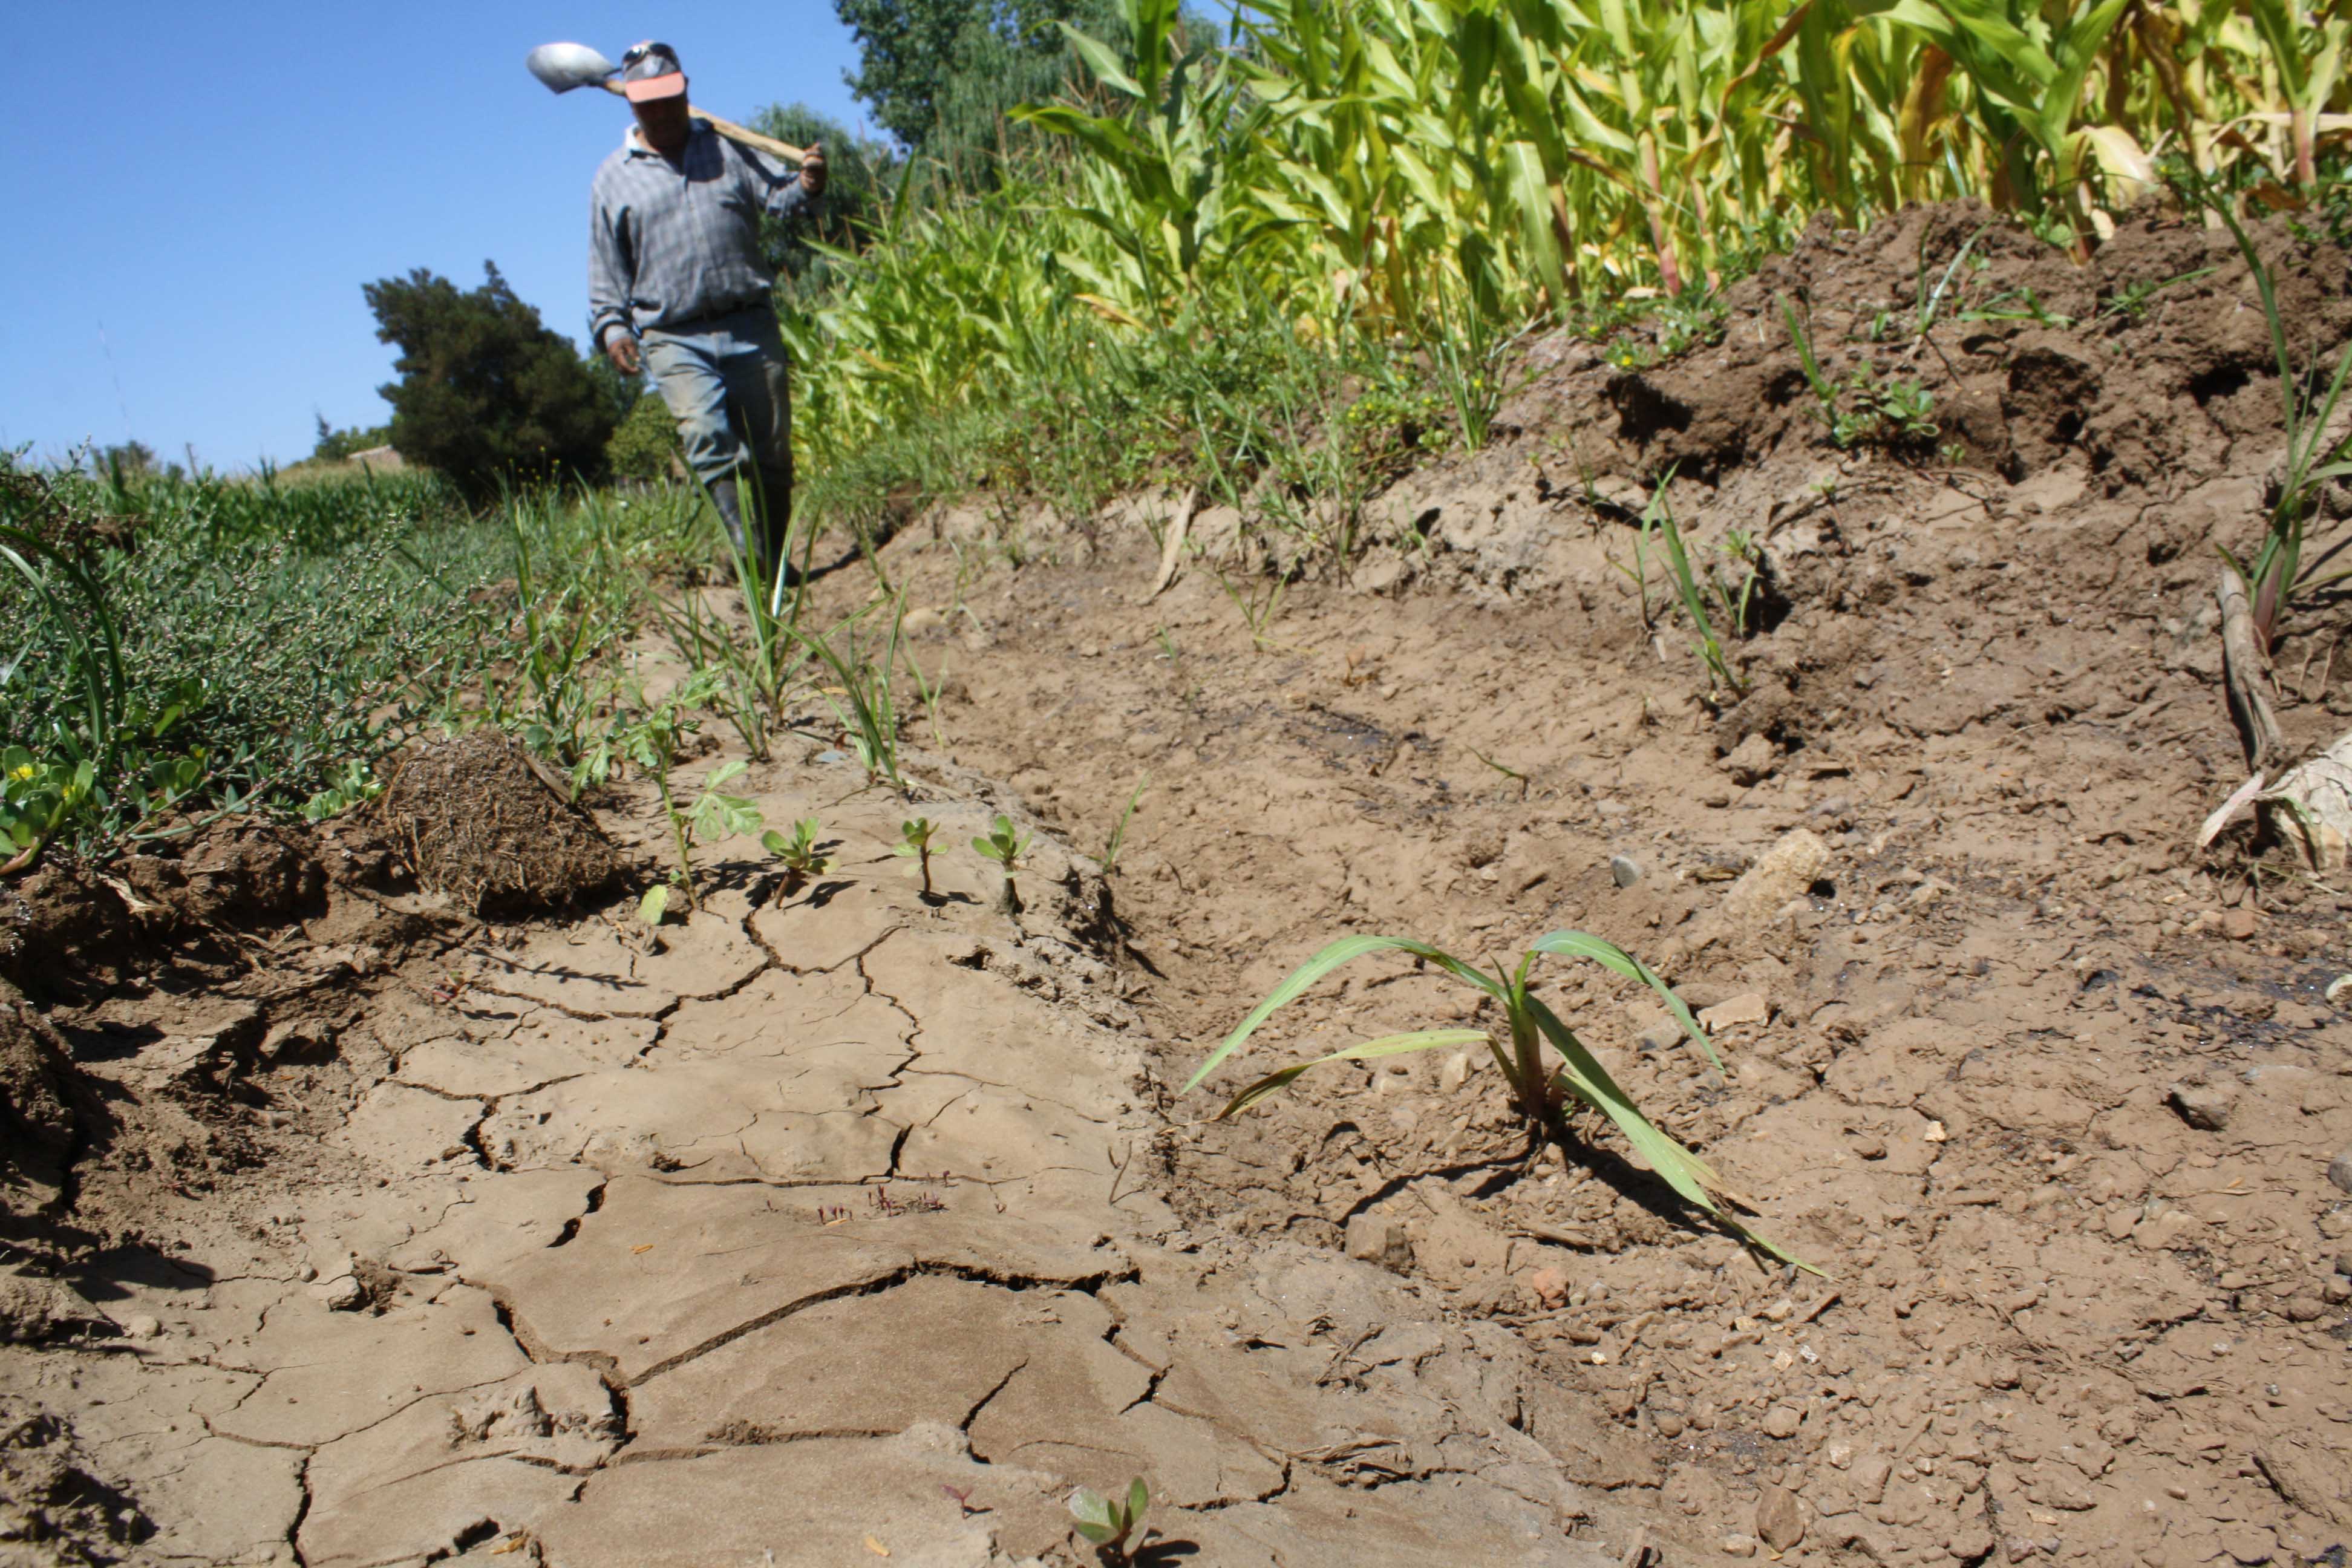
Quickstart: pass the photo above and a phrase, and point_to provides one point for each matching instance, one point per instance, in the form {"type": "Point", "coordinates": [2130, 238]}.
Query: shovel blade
{"type": "Point", "coordinates": [563, 66]}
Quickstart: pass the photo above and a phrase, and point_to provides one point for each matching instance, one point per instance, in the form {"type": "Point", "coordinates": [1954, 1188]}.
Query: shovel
{"type": "Point", "coordinates": [563, 66]}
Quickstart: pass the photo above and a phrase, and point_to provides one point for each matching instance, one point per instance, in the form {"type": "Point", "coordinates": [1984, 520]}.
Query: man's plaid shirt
{"type": "Point", "coordinates": [669, 244]}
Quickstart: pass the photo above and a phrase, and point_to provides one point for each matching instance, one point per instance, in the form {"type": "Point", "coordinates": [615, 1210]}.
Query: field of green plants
{"type": "Point", "coordinates": [1280, 262]}
{"type": "Point", "coordinates": [1225, 238]}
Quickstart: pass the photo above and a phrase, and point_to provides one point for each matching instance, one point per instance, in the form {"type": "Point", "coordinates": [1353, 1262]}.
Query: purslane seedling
{"type": "Point", "coordinates": [798, 853]}
{"type": "Point", "coordinates": [915, 843]}
{"type": "Point", "coordinates": [1113, 1524]}
{"type": "Point", "coordinates": [1537, 1088]}
{"type": "Point", "coordinates": [1003, 847]}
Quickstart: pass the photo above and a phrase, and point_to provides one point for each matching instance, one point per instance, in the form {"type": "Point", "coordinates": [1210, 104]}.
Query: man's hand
{"type": "Point", "coordinates": [621, 348]}
{"type": "Point", "coordinates": [813, 170]}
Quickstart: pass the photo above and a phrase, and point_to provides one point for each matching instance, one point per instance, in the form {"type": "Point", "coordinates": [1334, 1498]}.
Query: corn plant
{"type": "Point", "coordinates": [1005, 848]}
{"type": "Point", "coordinates": [2276, 576]}
{"type": "Point", "coordinates": [1115, 1525]}
{"type": "Point", "coordinates": [861, 702]}
{"type": "Point", "coordinates": [1658, 521]}
{"type": "Point", "coordinates": [915, 843]}
{"type": "Point", "coordinates": [1118, 833]}
{"type": "Point", "coordinates": [1539, 1089]}
{"type": "Point", "coordinates": [798, 853]}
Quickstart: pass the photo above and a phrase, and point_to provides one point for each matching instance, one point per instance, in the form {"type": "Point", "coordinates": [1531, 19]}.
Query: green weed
{"type": "Point", "coordinates": [1115, 1525]}
{"type": "Point", "coordinates": [915, 843]}
{"type": "Point", "coordinates": [1005, 848]}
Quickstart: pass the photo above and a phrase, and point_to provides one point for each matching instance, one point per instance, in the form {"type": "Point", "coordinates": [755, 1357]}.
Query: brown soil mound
{"type": "Point", "coordinates": [477, 822]}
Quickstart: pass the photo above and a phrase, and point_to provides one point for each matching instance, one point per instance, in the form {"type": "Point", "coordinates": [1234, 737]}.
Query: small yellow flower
{"type": "Point", "coordinates": [24, 771]}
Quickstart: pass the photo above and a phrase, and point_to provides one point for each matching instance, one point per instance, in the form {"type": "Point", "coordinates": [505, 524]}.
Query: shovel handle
{"type": "Point", "coordinates": [734, 132]}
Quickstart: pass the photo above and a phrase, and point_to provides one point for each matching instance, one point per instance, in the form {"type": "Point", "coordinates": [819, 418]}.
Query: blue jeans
{"type": "Point", "coordinates": [724, 381]}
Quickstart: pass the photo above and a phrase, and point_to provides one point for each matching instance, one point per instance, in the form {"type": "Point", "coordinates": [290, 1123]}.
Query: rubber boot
{"type": "Point", "coordinates": [727, 497]}
{"type": "Point", "coordinates": [776, 517]}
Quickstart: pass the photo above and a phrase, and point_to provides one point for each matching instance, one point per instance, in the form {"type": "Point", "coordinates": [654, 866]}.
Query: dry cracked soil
{"type": "Point", "coordinates": [845, 1223]}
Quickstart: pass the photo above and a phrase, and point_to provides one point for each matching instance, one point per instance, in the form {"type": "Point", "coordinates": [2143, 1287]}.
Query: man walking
{"type": "Point", "coordinates": [674, 266]}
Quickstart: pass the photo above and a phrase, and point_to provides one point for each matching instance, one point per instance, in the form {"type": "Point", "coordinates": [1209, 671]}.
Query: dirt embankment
{"type": "Point", "coordinates": [2051, 1099]}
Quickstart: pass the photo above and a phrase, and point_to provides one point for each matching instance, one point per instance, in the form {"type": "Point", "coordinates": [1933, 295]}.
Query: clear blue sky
{"type": "Point", "coordinates": [213, 183]}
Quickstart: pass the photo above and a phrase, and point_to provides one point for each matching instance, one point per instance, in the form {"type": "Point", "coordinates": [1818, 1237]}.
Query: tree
{"type": "Point", "coordinates": [941, 74]}
{"type": "Point", "coordinates": [335, 446]}
{"type": "Point", "coordinates": [485, 390]}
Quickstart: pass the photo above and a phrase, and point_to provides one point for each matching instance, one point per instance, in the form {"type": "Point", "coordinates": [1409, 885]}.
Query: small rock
{"type": "Point", "coordinates": [343, 1293]}
{"type": "Point", "coordinates": [1659, 1037]}
{"type": "Point", "coordinates": [1610, 805]}
{"type": "Point", "coordinates": [1781, 874]}
{"type": "Point", "coordinates": [1750, 761]}
{"type": "Point", "coordinates": [1625, 870]}
{"type": "Point", "coordinates": [2239, 924]}
{"type": "Point", "coordinates": [1739, 1546]}
{"type": "Point", "coordinates": [1550, 1287]}
{"type": "Point", "coordinates": [1783, 1422]}
{"type": "Point", "coordinates": [1780, 1519]}
{"type": "Point", "coordinates": [141, 1326]}
{"type": "Point", "coordinates": [1869, 1473]}
{"type": "Point", "coordinates": [1377, 1238]}
{"type": "Point", "coordinates": [1748, 1007]}
{"type": "Point", "coordinates": [2306, 1308]}
{"type": "Point", "coordinates": [922, 621]}
{"type": "Point", "coordinates": [2203, 1105]}
{"type": "Point", "coordinates": [1455, 1072]}
{"type": "Point", "coordinates": [1840, 1455]}
{"type": "Point", "coordinates": [1669, 1423]}
{"type": "Point", "coordinates": [2017, 1547]}
{"type": "Point", "coordinates": [1870, 1146]}
{"type": "Point", "coordinates": [1971, 1542]}
{"type": "Point", "coordinates": [2339, 1171]}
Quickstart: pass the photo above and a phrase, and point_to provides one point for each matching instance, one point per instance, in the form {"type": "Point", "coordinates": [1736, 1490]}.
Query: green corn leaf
{"type": "Point", "coordinates": [1691, 1177]}
{"type": "Point", "coordinates": [1386, 1045]}
{"type": "Point", "coordinates": [1583, 944]}
{"type": "Point", "coordinates": [1341, 951]}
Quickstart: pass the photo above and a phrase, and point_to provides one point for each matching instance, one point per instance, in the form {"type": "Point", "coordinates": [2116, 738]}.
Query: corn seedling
{"type": "Point", "coordinates": [1118, 833]}
{"type": "Point", "coordinates": [1537, 1088]}
{"type": "Point", "coordinates": [915, 843]}
{"type": "Point", "coordinates": [1005, 848]}
{"type": "Point", "coordinates": [1658, 519]}
{"type": "Point", "coordinates": [1115, 1525]}
{"type": "Point", "coordinates": [861, 702]}
{"type": "Point", "coordinates": [1511, 774]}
{"type": "Point", "coordinates": [2277, 574]}
{"type": "Point", "coordinates": [799, 854]}
{"type": "Point", "coordinates": [1258, 606]}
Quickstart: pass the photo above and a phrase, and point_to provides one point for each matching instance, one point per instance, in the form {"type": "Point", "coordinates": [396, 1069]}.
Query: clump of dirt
{"type": "Point", "coordinates": [72, 926]}
{"type": "Point", "coordinates": [52, 1510]}
{"type": "Point", "coordinates": [42, 1105]}
{"type": "Point", "coordinates": [477, 821]}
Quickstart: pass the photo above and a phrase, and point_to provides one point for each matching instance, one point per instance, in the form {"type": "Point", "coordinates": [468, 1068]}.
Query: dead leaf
{"type": "Point", "coordinates": [642, 1246]}
{"type": "Point", "coordinates": [877, 1548]}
